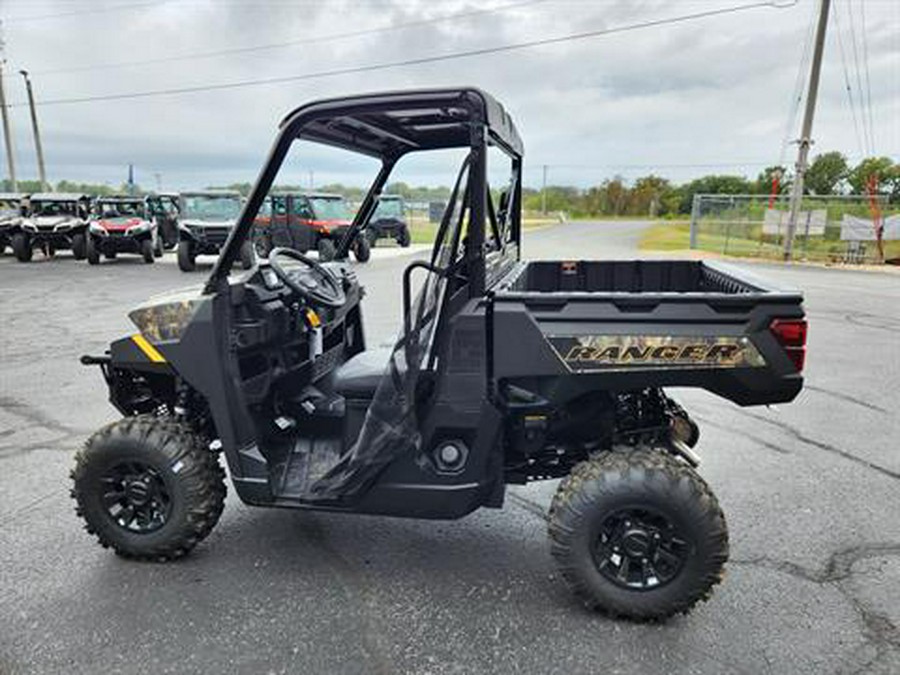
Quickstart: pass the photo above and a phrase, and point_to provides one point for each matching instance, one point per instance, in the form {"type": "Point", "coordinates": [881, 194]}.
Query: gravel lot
{"type": "Point", "coordinates": [810, 491]}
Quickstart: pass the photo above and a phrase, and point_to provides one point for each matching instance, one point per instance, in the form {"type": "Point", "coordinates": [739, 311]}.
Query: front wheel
{"type": "Point", "coordinates": [148, 488]}
{"type": "Point", "coordinates": [186, 259]}
{"type": "Point", "coordinates": [147, 251]}
{"type": "Point", "coordinates": [93, 253]}
{"type": "Point", "coordinates": [21, 246]}
{"type": "Point", "coordinates": [638, 534]}
{"type": "Point", "coordinates": [403, 238]}
{"type": "Point", "coordinates": [247, 255]}
{"type": "Point", "coordinates": [362, 249]}
{"type": "Point", "coordinates": [326, 250]}
{"type": "Point", "coordinates": [79, 246]}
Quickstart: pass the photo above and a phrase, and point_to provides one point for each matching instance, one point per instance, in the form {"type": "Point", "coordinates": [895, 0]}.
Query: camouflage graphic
{"type": "Point", "coordinates": [164, 321]}
{"type": "Point", "coordinates": [629, 352]}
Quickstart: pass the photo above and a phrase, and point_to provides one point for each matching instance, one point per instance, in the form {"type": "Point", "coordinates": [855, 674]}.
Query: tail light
{"type": "Point", "coordinates": [791, 335]}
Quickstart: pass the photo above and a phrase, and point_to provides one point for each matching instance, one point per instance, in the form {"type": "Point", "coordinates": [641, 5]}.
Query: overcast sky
{"type": "Point", "coordinates": [706, 96]}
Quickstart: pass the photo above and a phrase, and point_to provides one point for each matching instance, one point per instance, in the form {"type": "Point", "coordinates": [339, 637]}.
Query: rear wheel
{"type": "Point", "coordinates": [21, 246]}
{"type": "Point", "coordinates": [403, 237]}
{"type": "Point", "coordinates": [326, 250]}
{"type": "Point", "coordinates": [148, 487]}
{"type": "Point", "coordinates": [362, 249]}
{"type": "Point", "coordinates": [638, 534]}
{"type": "Point", "coordinates": [263, 245]}
{"type": "Point", "coordinates": [186, 258]}
{"type": "Point", "coordinates": [158, 247]}
{"type": "Point", "coordinates": [147, 251]}
{"type": "Point", "coordinates": [93, 253]}
{"type": "Point", "coordinates": [79, 246]}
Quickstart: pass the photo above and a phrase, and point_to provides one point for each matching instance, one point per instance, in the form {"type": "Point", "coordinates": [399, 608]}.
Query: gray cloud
{"type": "Point", "coordinates": [716, 91]}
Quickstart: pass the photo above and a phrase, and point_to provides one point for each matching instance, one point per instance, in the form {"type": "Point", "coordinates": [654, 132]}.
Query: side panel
{"type": "Point", "coordinates": [720, 344]}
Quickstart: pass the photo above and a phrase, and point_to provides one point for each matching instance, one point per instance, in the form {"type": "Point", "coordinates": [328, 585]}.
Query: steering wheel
{"type": "Point", "coordinates": [317, 284]}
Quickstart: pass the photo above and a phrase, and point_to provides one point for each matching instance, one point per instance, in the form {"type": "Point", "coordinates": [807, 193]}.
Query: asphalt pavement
{"type": "Point", "coordinates": [810, 491]}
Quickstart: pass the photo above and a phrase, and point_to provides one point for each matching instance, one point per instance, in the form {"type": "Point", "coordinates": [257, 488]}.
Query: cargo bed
{"type": "Point", "coordinates": [626, 325]}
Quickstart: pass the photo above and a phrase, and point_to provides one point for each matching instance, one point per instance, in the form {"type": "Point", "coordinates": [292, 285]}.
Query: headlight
{"type": "Point", "coordinates": [29, 226]}
{"type": "Point", "coordinates": [96, 228]}
{"type": "Point", "coordinates": [139, 229]}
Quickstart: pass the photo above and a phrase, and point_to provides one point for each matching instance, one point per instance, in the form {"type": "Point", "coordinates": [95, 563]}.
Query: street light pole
{"type": "Point", "coordinates": [544, 189]}
{"type": "Point", "coordinates": [806, 132]}
{"type": "Point", "coordinates": [42, 173]}
{"type": "Point", "coordinates": [7, 136]}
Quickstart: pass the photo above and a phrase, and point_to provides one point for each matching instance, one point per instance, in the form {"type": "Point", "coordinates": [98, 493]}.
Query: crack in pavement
{"type": "Point", "coordinates": [34, 415]}
{"type": "Point", "coordinates": [756, 439]}
{"type": "Point", "coordinates": [528, 505]}
{"type": "Point", "coordinates": [878, 629]}
{"type": "Point", "coordinates": [846, 397]}
{"type": "Point", "coordinates": [806, 440]}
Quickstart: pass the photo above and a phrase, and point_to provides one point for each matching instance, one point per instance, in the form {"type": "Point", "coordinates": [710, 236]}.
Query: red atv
{"type": "Point", "coordinates": [307, 221]}
{"type": "Point", "coordinates": [122, 225]}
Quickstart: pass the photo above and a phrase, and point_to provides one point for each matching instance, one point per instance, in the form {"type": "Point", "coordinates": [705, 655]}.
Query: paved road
{"type": "Point", "coordinates": [810, 491]}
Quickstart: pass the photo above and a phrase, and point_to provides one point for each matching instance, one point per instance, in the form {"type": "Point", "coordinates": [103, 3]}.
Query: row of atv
{"type": "Point", "coordinates": [91, 229]}
{"type": "Point", "coordinates": [194, 223]}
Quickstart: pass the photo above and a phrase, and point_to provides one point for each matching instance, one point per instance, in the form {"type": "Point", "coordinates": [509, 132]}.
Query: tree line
{"type": "Point", "coordinates": [828, 174]}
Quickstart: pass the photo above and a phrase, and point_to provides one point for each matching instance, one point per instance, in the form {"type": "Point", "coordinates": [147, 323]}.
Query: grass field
{"type": "Point", "coordinates": [676, 236]}
{"type": "Point", "coordinates": [423, 231]}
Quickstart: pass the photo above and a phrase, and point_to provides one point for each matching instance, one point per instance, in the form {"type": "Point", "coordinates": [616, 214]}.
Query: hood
{"type": "Point", "coordinates": [206, 223]}
{"type": "Point", "coordinates": [119, 224]}
{"type": "Point", "coordinates": [44, 221]}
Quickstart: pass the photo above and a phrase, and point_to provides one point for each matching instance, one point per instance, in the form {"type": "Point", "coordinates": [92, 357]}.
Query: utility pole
{"type": "Point", "coordinates": [42, 173]}
{"type": "Point", "coordinates": [158, 176]}
{"type": "Point", "coordinates": [7, 135]}
{"type": "Point", "coordinates": [806, 132]}
{"type": "Point", "coordinates": [544, 190]}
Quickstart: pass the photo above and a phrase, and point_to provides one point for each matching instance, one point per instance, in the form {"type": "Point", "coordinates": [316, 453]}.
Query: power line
{"type": "Point", "coordinates": [497, 49]}
{"type": "Point", "coordinates": [799, 84]}
{"type": "Point", "coordinates": [79, 12]}
{"type": "Point", "coordinates": [859, 87]}
{"type": "Point", "coordinates": [291, 43]}
{"type": "Point", "coordinates": [847, 85]}
{"type": "Point", "coordinates": [865, 41]}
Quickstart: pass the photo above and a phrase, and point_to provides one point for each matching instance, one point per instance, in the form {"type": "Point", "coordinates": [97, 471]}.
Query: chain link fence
{"type": "Point", "coordinates": [829, 228]}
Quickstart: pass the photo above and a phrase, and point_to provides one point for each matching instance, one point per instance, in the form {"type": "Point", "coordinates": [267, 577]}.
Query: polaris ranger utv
{"type": "Point", "coordinates": [307, 221]}
{"type": "Point", "coordinates": [122, 225]}
{"type": "Point", "coordinates": [388, 221]}
{"type": "Point", "coordinates": [504, 371]}
{"type": "Point", "coordinates": [56, 221]}
{"type": "Point", "coordinates": [205, 220]}
{"type": "Point", "coordinates": [13, 208]}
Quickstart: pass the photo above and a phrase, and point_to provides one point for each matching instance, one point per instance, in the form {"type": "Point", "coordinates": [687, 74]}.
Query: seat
{"type": "Point", "coordinates": [359, 376]}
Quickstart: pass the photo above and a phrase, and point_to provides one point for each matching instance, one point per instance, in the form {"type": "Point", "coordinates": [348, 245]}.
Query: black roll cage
{"type": "Point", "coordinates": [388, 126]}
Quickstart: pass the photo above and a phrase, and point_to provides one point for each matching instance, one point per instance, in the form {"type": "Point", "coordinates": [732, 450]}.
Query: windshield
{"type": "Point", "coordinates": [330, 208]}
{"type": "Point", "coordinates": [121, 210]}
{"type": "Point", "coordinates": [211, 207]}
{"type": "Point", "coordinates": [389, 208]}
{"type": "Point", "coordinates": [55, 208]}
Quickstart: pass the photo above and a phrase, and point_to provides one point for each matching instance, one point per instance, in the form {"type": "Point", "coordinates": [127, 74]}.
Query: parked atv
{"type": "Point", "coordinates": [306, 222]}
{"type": "Point", "coordinates": [13, 209]}
{"type": "Point", "coordinates": [164, 209]}
{"type": "Point", "coordinates": [56, 221]}
{"type": "Point", "coordinates": [122, 225]}
{"type": "Point", "coordinates": [504, 372]}
{"type": "Point", "coordinates": [389, 222]}
{"type": "Point", "coordinates": [205, 220]}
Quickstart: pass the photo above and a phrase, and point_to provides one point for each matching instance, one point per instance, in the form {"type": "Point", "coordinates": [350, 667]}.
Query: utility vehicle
{"type": "Point", "coordinates": [303, 221]}
{"type": "Point", "coordinates": [205, 221]}
{"type": "Point", "coordinates": [504, 371]}
{"type": "Point", "coordinates": [122, 225]}
{"type": "Point", "coordinates": [56, 221]}
{"type": "Point", "coordinates": [389, 222]}
{"type": "Point", "coordinates": [13, 208]}
{"type": "Point", "coordinates": [164, 209]}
